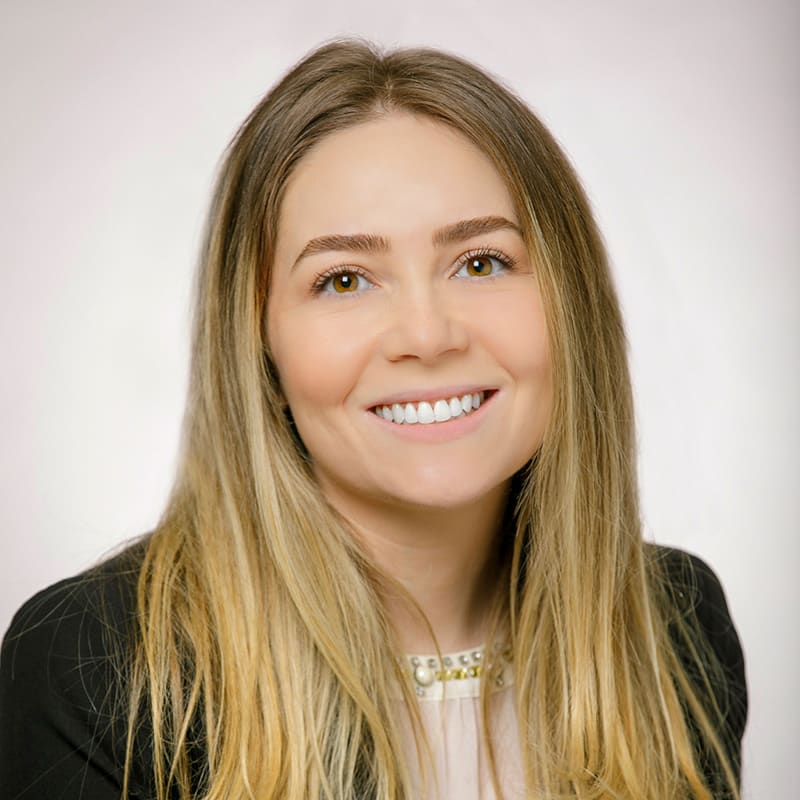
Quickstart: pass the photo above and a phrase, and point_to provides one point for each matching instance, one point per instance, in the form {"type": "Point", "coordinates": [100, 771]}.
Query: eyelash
{"type": "Point", "coordinates": [507, 261]}
{"type": "Point", "coordinates": [321, 281]}
{"type": "Point", "coordinates": [342, 269]}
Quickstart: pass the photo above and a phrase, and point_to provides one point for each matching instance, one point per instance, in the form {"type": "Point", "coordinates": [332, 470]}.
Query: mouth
{"type": "Point", "coordinates": [433, 412]}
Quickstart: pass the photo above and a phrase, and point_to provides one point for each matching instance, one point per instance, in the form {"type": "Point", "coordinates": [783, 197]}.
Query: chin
{"type": "Point", "coordinates": [445, 497]}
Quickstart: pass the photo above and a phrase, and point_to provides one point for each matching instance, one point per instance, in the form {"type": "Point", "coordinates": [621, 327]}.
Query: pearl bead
{"type": "Point", "coordinates": [424, 676]}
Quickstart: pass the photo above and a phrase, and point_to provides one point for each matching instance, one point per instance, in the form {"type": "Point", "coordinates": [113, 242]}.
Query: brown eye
{"type": "Point", "coordinates": [478, 266]}
{"type": "Point", "coordinates": [345, 282]}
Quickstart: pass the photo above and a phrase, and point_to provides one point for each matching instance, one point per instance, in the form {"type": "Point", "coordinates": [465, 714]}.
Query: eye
{"type": "Point", "coordinates": [483, 264]}
{"type": "Point", "coordinates": [346, 282]}
{"type": "Point", "coordinates": [341, 280]}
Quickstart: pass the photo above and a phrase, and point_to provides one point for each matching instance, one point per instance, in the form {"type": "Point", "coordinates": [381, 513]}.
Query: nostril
{"type": "Point", "coordinates": [423, 331]}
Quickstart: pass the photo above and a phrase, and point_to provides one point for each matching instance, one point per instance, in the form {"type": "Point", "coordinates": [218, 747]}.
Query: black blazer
{"type": "Point", "coordinates": [62, 711]}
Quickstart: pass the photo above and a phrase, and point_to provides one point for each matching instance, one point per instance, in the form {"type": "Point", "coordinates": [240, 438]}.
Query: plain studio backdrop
{"type": "Point", "coordinates": [681, 118]}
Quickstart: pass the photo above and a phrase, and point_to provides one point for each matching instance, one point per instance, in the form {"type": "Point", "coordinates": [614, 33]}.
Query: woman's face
{"type": "Point", "coordinates": [402, 290]}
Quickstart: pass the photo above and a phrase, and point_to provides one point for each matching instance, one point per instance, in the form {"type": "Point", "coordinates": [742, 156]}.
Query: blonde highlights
{"type": "Point", "coordinates": [265, 663]}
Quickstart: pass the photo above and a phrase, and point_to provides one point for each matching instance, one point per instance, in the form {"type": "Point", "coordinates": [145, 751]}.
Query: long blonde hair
{"type": "Point", "coordinates": [264, 664]}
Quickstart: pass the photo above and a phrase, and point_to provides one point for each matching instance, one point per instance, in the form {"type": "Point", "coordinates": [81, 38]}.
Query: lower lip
{"type": "Point", "coordinates": [436, 432]}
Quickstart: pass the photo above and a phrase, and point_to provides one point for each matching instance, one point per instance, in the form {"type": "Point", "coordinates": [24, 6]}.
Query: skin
{"type": "Point", "coordinates": [417, 322]}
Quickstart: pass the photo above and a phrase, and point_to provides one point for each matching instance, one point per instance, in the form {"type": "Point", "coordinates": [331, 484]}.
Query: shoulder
{"type": "Point", "coordinates": [696, 595]}
{"type": "Point", "coordinates": [106, 587]}
{"type": "Point", "coordinates": [80, 617]}
{"type": "Point", "coordinates": [705, 639]}
{"type": "Point", "coordinates": [61, 683]}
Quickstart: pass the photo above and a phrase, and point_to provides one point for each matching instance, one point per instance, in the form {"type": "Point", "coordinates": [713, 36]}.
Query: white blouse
{"type": "Point", "coordinates": [450, 710]}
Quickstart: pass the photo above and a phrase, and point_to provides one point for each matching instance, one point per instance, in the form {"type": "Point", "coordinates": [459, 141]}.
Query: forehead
{"type": "Point", "coordinates": [394, 175]}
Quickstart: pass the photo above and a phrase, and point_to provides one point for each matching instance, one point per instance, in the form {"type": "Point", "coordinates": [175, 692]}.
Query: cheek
{"type": "Point", "coordinates": [516, 327]}
{"type": "Point", "coordinates": [318, 360]}
{"type": "Point", "coordinates": [522, 347]}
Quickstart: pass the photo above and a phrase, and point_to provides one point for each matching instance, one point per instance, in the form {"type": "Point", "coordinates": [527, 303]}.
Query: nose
{"type": "Point", "coordinates": [422, 325]}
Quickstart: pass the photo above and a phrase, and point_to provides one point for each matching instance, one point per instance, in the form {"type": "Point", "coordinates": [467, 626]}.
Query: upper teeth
{"type": "Point", "coordinates": [427, 413]}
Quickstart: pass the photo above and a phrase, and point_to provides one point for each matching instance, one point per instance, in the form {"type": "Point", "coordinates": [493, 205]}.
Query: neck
{"type": "Point", "coordinates": [444, 560]}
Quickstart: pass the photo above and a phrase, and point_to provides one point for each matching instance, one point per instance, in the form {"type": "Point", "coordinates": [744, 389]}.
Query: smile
{"type": "Point", "coordinates": [430, 413]}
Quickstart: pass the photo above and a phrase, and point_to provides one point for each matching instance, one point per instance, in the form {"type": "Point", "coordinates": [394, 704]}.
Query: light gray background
{"type": "Point", "coordinates": [681, 117]}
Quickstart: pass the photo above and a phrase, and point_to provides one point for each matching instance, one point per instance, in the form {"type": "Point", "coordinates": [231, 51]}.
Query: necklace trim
{"type": "Point", "coordinates": [458, 674]}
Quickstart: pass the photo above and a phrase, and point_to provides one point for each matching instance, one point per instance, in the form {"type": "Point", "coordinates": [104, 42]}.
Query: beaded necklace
{"type": "Point", "coordinates": [429, 673]}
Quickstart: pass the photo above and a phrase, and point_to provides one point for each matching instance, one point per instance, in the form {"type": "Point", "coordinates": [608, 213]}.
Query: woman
{"type": "Point", "coordinates": [403, 554]}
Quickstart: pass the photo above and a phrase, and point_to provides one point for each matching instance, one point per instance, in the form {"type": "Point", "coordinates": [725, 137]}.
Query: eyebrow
{"type": "Point", "coordinates": [371, 243]}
